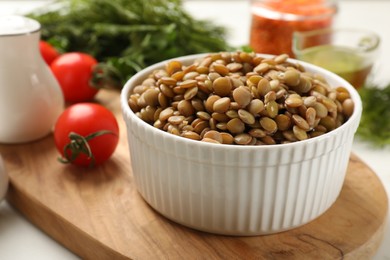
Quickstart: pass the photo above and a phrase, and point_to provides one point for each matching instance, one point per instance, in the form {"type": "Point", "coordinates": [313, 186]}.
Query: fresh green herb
{"type": "Point", "coordinates": [128, 34]}
{"type": "Point", "coordinates": [375, 122]}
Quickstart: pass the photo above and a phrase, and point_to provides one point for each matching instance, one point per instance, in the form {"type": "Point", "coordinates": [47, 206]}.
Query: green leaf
{"type": "Point", "coordinates": [375, 122]}
{"type": "Point", "coordinates": [129, 35]}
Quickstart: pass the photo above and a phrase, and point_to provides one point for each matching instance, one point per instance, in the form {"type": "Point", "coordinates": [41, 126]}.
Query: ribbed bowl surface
{"type": "Point", "coordinates": [238, 190]}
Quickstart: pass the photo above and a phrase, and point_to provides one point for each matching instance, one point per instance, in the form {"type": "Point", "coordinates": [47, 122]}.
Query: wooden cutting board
{"type": "Point", "coordinates": [98, 213]}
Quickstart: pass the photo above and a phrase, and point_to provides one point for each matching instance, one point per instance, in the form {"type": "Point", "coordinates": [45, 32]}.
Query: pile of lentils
{"type": "Point", "coordinates": [240, 98]}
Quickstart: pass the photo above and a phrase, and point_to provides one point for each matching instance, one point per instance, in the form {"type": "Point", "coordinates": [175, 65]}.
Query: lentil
{"type": "Point", "coordinates": [328, 122]}
{"type": "Point", "coordinates": [212, 134]}
{"type": "Point", "coordinates": [221, 69]}
{"type": "Point", "coordinates": [246, 117]}
{"type": "Point", "coordinates": [191, 135]}
{"type": "Point", "coordinates": [178, 75]}
{"type": "Point", "coordinates": [257, 133]}
{"type": "Point", "coordinates": [210, 102]}
{"type": "Point", "coordinates": [243, 139]}
{"type": "Point", "coordinates": [209, 140]}
{"type": "Point", "coordinates": [310, 116]}
{"type": "Point", "coordinates": [272, 109]}
{"type": "Point", "coordinates": [294, 101]}
{"type": "Point", "coordinates": [220, 117]}
{"type": "Point", "coordinates": [299, 133]}
{"type": "Point", "coordinates": [213, 124]}
{"type": "Point", "coordinates": [165, 114]}
{"type": "Point", "coordinates": [221, 126]}
{"type": "Point", "coordinates": [268, 124]}
{"type": "Point", "coordinates": [227, 138]}
{"type": "Point", "coordinates": [234, 67]}
{"type": "Point", "coordinates": [304, 85]}
{"type": "Point", "coordinates": [203, 115]}
{"type": "Point", "coordinates": [222, 86]}
{"type": "Point", "coordinates": [242, 96]}
{"type": "Point", "coordinates": [185, 108]}
{"type": "Point", "coordinates": [221, 105]}
{"type": "Point", "coordinates": [232, 113]}
{"type": "Point", "coordinates": [263, 87]}
{"type": "Point", "coordinates": [256, 106]}
{"type": "Point", "coordinates": [321, 110]}
{"type": "Point", "coordinates": [348, 107]}
{"type": "Point", "coordinates": [173, 66]}
{"type": "Point", "coordinates": [267, 140]}
{"type": "Point", "coordinates": [176, 120]}
{"type": "Point", "coordinates": [235, 126]}
{"type": "Point", "coordinates": [291, 77]}
{"type": "Point", "coordinates": [199, 127]}
{"type": "Point", "coordinates": [167, 91]}
{"type": "Point", "coordinates": [240, 99]}
{"type": "Point", "coordinates": [283, 122]}
{"type": "Point", "coordinates": [309, 101]}
{"type": "Point", "coordinates": [187, 83]}
{"type": "Point", "coordinates": [302, 123]}
{"type": "Point", "coordinates": [168, 80]}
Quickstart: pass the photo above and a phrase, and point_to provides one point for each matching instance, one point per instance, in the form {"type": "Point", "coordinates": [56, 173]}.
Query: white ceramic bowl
{"type": "Point", "coordinates": [238, 190]}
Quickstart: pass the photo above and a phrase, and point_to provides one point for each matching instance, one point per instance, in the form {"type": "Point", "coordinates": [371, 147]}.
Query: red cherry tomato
{"type": "Point", "coordinates": [73, 71]}
{"type": "Point", "coordinates": [86, 134]}
{"type": "Point", "coordinates": [48, 52]}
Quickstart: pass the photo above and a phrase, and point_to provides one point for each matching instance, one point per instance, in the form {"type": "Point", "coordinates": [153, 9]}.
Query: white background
{"type": "Point", "coordinates": [19, 239]}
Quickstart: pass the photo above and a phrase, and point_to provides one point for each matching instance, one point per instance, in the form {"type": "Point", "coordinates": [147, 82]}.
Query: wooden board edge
{"type": "Point", "coordinates": [37, 213]}
{"type": "Point", "coordinates": [370, 248]}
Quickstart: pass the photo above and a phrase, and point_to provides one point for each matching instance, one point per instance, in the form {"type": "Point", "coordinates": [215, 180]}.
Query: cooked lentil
{"type": "Point", "coordinates": [240, 98]}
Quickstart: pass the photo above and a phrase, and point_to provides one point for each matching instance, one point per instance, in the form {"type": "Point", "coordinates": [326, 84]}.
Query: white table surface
{"type": "Point", "coordinates": [19, 239]}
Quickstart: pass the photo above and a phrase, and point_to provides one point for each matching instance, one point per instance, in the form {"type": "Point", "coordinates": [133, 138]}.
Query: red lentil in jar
{"type": "Point", "coordinates": [274, 21]}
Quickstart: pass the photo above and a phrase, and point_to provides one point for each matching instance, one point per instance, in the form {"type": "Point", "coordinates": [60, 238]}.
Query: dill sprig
{"type": "Point", "coordinates": [375, 122]}
{"type": "Point", "coordinates": [128, 35]}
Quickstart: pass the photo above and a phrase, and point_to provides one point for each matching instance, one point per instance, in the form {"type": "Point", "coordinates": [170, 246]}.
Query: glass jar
{"type": "Point", "coordinates": [275, 21]}
{"type": "Point", "coordinates": [348, 52]}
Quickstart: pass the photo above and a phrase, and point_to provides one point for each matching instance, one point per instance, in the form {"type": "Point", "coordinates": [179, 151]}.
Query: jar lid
{"type": "Point", "coordinates": [294, 10]}
{"type": "Point", "coordinates": [17, 25]}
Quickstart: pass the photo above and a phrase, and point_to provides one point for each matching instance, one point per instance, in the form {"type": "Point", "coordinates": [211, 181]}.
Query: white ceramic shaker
{"type": "Point", "coordinates": [3, 180]}
{"type": "Point", "coordinates": [30, 97]}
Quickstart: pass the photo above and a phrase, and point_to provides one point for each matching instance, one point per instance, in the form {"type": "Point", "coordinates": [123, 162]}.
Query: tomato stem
{"type": "Point", "coordinates": [79, 145]}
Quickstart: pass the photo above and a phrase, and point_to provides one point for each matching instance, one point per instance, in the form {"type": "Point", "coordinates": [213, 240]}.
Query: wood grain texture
{"type": "Point", "coordinates": [98, 213]}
